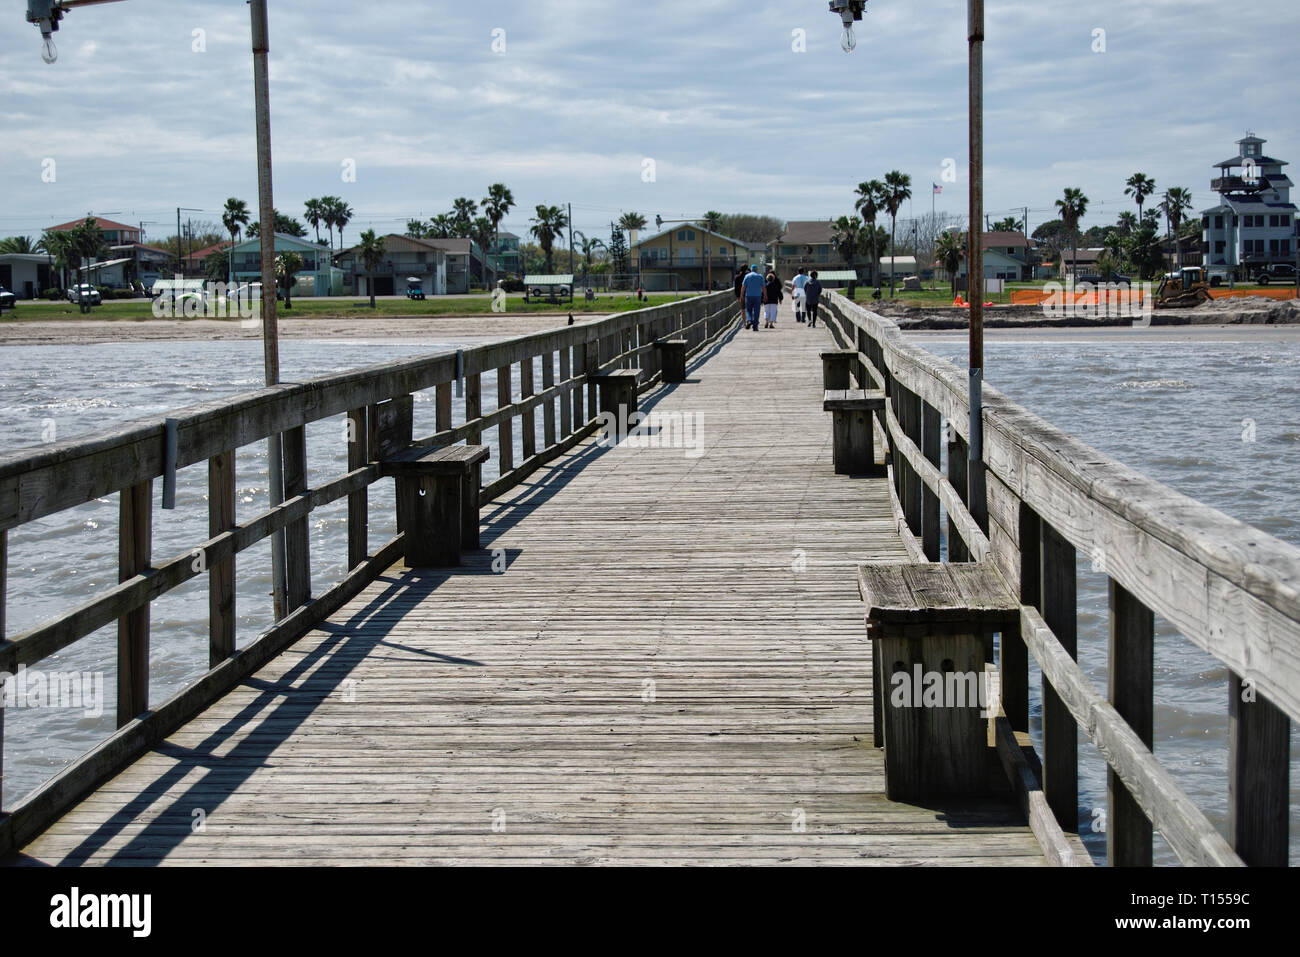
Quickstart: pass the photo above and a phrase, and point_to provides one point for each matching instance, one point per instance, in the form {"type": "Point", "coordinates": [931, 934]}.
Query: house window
{"type": "Point", "coordinates": [1219, 246]}
{"type": "Point", "coordinates": [1218, 222]}
{"type": "Point", "coordinates": [422, 257]}
{"type": "Point", "coordinates": [686, 235]}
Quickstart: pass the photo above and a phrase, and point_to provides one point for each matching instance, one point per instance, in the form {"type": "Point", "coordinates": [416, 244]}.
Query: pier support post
{"type": "Point", "coordinates": [853, 448]}
{"type": "Point", "coordinates": [135, 541]}
{"type": "Point", "coordinates": [837, 366]}
{"type": "Point", "coordinates": [1258, 776]}
{"type": "Point", "coordinates": [437, 502]}
{"type": "Point", "coordinates": [672, 359]}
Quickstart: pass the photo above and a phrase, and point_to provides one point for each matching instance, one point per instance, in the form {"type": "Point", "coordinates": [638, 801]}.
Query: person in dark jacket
{"type": "Point", "coordinates": [812, 291]}
{"type": "Point", "coordinates": [772, 296]}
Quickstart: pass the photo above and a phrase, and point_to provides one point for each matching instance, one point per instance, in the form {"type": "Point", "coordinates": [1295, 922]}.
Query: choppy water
{"type": "Point", "coordinates": [1178, 411]}
{"type": "Point", "coordinates": [1218, 421]}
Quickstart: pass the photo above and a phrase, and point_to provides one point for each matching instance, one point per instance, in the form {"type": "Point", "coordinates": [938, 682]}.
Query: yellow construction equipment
{"type": "Point", "coordinates": [1186, 287]}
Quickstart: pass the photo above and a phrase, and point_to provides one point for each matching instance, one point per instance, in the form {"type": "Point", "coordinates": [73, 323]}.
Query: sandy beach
{"type": "Point", "coordinates": [71, 332]}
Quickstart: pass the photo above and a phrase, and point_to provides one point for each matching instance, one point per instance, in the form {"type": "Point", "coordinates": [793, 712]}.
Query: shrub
{"type": "Point", "coordinates": [52, 294]}
{"type": "Point", "coordinates": [123, 294]}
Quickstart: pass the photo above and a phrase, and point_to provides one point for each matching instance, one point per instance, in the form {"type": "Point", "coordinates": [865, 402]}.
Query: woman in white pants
{"type": "Point", "coordinates": [772, 296]}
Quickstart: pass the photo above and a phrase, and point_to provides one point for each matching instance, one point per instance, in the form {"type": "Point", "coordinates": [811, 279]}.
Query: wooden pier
{"type": "Point", "coordinates": [658, 653]}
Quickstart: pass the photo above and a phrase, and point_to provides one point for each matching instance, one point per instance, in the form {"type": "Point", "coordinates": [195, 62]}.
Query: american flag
{"type": "Point", "coordinates": [937, 188]}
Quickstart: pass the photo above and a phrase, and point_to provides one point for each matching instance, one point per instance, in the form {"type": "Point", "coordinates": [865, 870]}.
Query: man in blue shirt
{"type": "Point", "coordinates": [752, 287]}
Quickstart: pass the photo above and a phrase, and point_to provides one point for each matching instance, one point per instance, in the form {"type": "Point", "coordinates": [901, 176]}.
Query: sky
{"type": "Point", "coordinates": [673, 107]}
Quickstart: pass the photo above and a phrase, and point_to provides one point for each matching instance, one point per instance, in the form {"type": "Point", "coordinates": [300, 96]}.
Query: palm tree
{"type": "Point", "coordinates": [1140, 186]}
{"type": "Point", "coordinates": [325, 208]}
{"type": "Point", "coordinates": [549, 223]}
{"type": "Point", "coordinates": [951, 250]}
{"type": "Point", "coordinates": [846, 237]}
{"type": "Point", "coordinates": [1126, 223]}
{"type": "Point", "coordinates": [287, 266]}
{"type": "Point", "coordinates": [481, 232]}
{"type": "Point", "coordinates": [314, 214]}
{"type": "Point", "coordinates": [870, 201]}
{"type": "Point", "coordinates": [18, 244]}
{"type": "Point", "coordinates": [1072, 207]}
{"type": "Point", "coordinates": [441, 227]}
{"type": "Point", "coordinates": [417, 228]}
{"type": "Point", "coordinates": [630, 221]}
{"type": "Point", "coordinates": [234, 217]}
{"type": "Point", "coordinates": [463, 211]}
{"type": "Point", "coordinates": [496, 204]}
{"type": "Point", "coordinates": [371, 252]}
{"type": "Point", "coordinates": [340, 214]}
{"type": "Point", "coordinates": [588, 247]}
{"type": "Point", "coordinates": [899, 189]}
{"type": "Point", "coordinates": [1177, 201]}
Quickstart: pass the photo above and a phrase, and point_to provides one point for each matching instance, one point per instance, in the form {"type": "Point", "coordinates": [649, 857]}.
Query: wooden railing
{"type": "Point", "coordinates": [1227, 587]}
{"type": "Point", "coordinates": [378, 402]}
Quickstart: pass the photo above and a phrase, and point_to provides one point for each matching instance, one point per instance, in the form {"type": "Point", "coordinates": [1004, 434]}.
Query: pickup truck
{"type": "Point", "coordinates": [1277, 272]}
{"type": "Point", "coordinates": [75, 293]}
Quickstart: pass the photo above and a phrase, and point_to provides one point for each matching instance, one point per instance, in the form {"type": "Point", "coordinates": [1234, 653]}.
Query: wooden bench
{"type": "Point", "coordinates": [851, 429]}
{"type": "Point", "coordinates": [437, 501]}
{"type": "Point", "coordinates": [931, 630]}
{"type": "Point", "coordinates": [837, 368]}
{"type": "Point", "coordinates": [672, 359]}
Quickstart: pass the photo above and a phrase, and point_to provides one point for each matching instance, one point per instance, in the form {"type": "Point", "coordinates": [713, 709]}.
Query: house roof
{"type": "Point", "coordinates": [459, 246]}
{"type": "Point", "coordinates": [808, 232]}
{"type": "Point", "coordinates": [1257, 160]}
{"type": "Point", "coordinates": [676, 226]}
{"type": "Point", "coordinates": [1013, 238]}
{"type": "Point", "coordinates": [281, 239]}
{"type": "Point", "coordinates": [209, 250]}
{"type": "Point", "coordinates": [148, 249]}
{"type": "Point", "coordinates": [99, 221]}
{"type": "Point", "coordinates": [401, 243]}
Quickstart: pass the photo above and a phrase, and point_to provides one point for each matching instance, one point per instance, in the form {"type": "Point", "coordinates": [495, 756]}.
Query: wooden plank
{"type": "Point", "coordinates": [1259, 763]}
{"type": "Point", "coordinates": [1060, 733]}
{"type": "Point", "coordinates": [1014, 655]}
{"type": "Point", "coordinates": [221, 575]}
{"type": "Point", "coordinates": [1132, 682]}
{"type": "Point", "coordinates": [442, 406]}
{"type": "Point", "coordinates": [473, 406]}
{"type": "Point", "coordinates": [957, 551]}
{"type": "Point", "coordinates": [134, 547]}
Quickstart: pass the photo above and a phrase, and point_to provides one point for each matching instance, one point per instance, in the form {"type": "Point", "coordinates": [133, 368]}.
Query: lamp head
{"type": "Point", "coordinates": [849, 11]}
{"type": "Point", "coordinates": [46, 15]}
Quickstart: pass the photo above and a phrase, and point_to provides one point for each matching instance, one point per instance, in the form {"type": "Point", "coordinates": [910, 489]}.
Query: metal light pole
{"type": "Point", "coordinates": [977, 501]}
{"type": "Point", "coordinates": [850, 11]}
{"type": "Point", "coordinates": [266, 242]}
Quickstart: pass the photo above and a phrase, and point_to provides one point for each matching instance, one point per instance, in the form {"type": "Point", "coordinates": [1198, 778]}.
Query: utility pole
{"type": "Point", "coordinates": [180, 259]}
{"type": "Point", "coordinates": [570, 238]}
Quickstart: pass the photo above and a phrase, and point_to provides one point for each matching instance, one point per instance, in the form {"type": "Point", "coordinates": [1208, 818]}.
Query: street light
{"type": "Point", "coordinates": [46, 14]}
{"type": "Point", "coordinates": [849, 11]}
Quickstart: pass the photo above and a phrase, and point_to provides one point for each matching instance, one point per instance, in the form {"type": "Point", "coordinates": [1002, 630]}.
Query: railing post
{"type": "Point", "coordinates": [930, 438]}
{"type": "Point", "coordinates": [957, 551]}
{"type": "Point", "coordinates": [505, 430]}
{"type": "Point", "coordinates": [473, 406]}
{"type": "Point", "coordinates": [221, 575]}
{"type": "Point", "coordinates": [528, 418]}
{"type": "Point", "coordinates": [548, 410]}
{"type": "Point", "coordinates": [358, 501]}
{"type": "Point", "coordinates": [134, 544]}
{"type": "Point", "coordinates": [1060, 733]}
{"type": "Point", "coordinates": [1258, 775]}
{"type": "Point", "coordinates": [566, 394]}
{"type": "Point", "coordinates": [590, 365]}
{"type": "Point", "coordinates": [4, 576]}
{"type": "Point", "coordinates": [1132, 659]}
{"type": "Point", "coordinates": [1014, 653]}
{"type": "Point", "coordinates": [442, 406]}
{"type": "Point", "coordinates": [297, 553]}
{"type": "Point", "coordinates": [911, 423]}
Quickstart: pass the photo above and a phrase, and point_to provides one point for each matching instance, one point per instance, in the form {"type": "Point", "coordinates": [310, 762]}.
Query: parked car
{"type": "Point", "coordinates": [1098, 280]}
{"type": "Point", "coordinates": [1278, 272]}
{"type": "Point", "coordinates": [414, 288]}
{"type": "Point", "coordinates": [7, 299]}
{"type": "Point", "coordinates": [75, 293]}
{"type": "Point", "coordinates": [253, 291]}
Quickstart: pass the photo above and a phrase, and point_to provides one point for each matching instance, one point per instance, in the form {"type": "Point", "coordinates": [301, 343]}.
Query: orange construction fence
{"type": "Point", "coordinates": [1036, 297]}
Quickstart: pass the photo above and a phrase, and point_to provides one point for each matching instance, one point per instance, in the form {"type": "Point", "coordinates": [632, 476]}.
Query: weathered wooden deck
{"type": "Point", "coordinates": [672, 669]}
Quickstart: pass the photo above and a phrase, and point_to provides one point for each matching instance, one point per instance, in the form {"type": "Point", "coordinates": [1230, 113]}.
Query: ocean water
{"type": "Point", "coordinates": [1219, 421]}
{"type": "Point", "coordinates": [1216, 420]}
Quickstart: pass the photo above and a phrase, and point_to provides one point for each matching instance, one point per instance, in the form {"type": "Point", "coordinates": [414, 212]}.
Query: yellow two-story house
{"type": "Point", "coordinates": [675, 258]}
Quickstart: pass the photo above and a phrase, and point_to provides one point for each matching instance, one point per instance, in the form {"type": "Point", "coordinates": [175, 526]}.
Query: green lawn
{"type": "Point", "coordinates": [138, 309]}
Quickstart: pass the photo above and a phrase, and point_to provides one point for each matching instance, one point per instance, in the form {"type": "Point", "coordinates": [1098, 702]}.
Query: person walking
{"type": "Point", "coordinates": [796, 294]}
{"type": "Point", "coordinates": [812, 291]}
{"type": "Point", "coordinates": [772, 296]}
{"type": "Point", "coordinates": [752, 287]}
